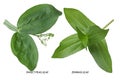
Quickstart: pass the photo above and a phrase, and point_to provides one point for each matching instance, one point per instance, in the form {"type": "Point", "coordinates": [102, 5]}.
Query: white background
{"type": "Point", "coordinates": [99, 11]}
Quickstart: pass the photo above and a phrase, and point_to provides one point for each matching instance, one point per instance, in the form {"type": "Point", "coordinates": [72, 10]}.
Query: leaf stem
{"type": "Point", "coordinates": [108, 24]}
{"type": "Point", "coordinates": [10, 26]}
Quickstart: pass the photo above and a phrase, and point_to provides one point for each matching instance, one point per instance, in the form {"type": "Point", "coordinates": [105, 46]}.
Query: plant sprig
{"type": "Point", "coordinates": [89, 35]}
{"type": "Point", "coordinates": [33, 21]}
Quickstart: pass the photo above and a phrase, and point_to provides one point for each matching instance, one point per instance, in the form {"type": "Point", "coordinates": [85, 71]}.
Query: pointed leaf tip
{"type": "Point", "coordinates": [68, 46]}
{"type": "Point", "coordinates": [101, 55]}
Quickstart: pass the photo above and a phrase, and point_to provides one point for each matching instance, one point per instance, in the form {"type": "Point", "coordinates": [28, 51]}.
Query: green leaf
{"type": "Point", "coordinates": [68, 46]}
{"type": "Point", "coordinates": [83, 38]}
{"type": "Point", "coordinates": [86, 29]}
{"type": "Point", "coordinates": [101, 55]}
{"type": "Point", "coordinates": [38, 19]}
{"type": "Point", "coordinates": [78, 20]}
{"type": "Point", "coordinates": [96, 34]}
{"type": "Point", "coordinates": [24, 48]}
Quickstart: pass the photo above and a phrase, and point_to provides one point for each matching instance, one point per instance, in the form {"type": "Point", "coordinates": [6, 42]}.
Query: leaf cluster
{"type": "Point", "coordinates": [34, 21]}
{"type": "Point", "coordinates": [89, 35]}
{"type": "Point", "coordinates": [41, 18]}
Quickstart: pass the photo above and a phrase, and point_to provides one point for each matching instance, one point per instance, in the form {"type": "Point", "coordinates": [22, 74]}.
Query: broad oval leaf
{"type": "Point", "coordinates": [38, 19]}
{"type": "Point", "coordinates": [78, 20]}
{"type": "Point", "coordinates": [24, 48]}
{"type": "Point", "coordinates": [68, 46]}
{"type": "Point", "coordinates": [101, 55]}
